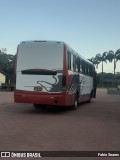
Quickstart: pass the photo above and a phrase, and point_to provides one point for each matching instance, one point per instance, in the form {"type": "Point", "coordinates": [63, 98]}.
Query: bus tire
{"type": "Point", "coordinates": [89, 100]}
{"type": "Point", "coordinates": [75, 105]}
{"type": "Point", "coordinates": [37, 106]}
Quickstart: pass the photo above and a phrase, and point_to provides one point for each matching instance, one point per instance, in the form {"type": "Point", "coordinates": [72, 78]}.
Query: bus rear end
{"type": "Point", "coordinates": [39, 73]}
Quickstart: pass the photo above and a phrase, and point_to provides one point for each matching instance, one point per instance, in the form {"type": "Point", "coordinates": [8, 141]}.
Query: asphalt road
{"type": "Point", "coordinates": [92, 127]}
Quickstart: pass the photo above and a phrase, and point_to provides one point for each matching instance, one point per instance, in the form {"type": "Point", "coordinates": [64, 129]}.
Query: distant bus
{"type": "Point", "coordinates": [51, 73]}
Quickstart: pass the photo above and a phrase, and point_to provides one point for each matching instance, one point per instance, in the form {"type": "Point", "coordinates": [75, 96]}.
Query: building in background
{"type": "Point", "coordinates": [2, 78]}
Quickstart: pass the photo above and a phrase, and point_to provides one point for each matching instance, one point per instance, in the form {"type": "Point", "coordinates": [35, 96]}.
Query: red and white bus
{"type": "Point", "coordinates": [51, 73]}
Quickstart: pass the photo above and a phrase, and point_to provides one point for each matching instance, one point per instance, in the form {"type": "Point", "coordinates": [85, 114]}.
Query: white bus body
{"type": "Point", "coordinates": [43, 75]}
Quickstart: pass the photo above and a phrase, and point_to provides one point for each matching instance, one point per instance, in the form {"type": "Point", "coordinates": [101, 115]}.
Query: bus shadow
{"type": "Point", "coordinates": [53, 109]}
{"type": "Point", "coordinates": [48, 110]}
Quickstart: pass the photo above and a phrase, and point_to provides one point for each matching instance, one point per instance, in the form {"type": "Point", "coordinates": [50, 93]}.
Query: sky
{"type": "Point", "coordinates": [87, 26]}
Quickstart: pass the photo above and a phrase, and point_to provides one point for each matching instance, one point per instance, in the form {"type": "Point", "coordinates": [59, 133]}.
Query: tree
{"type": "Point", "coordinates": [111, 56]}
{"type": "Point", "coordinates": [94, 61]}
{"type": "Point", "coordinates": [102, 59]}
{"type": "Point", "coordinates": [7, 62]}
{"type": "Point", "coordinates": [2, 57]}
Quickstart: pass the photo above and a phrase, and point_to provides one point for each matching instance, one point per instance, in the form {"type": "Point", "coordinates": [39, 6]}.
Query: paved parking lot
{"type": "Point", "coordinates": [92, 127]}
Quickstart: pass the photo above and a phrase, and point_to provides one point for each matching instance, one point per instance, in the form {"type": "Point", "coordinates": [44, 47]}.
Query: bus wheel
{"type": "Point", "coordinates": [89, 100]}
{"type": "Point", "coordinates": [75, 105]}
{"type": "Point", "coordinates": [37, 106]}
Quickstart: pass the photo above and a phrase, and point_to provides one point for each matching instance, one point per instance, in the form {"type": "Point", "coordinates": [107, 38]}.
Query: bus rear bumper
{"type": "Point", "coordinates": [57, 99]}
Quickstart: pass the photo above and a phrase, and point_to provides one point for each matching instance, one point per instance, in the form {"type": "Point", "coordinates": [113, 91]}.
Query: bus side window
{"type": "Point", "coordinates": [86, 69]}
{"type": "Point", "coordinates": [69, 60]}
{"type": "Point", "coordinates": [80, 65]}
{"type": "Point", "coordinates": [83, 67]}
{"type": "Point", "coordinates": [75, 63]}
{"type": "Point", "coordinates": [91, 70]}
{"type": "Point", "coordinates": [72, 62]}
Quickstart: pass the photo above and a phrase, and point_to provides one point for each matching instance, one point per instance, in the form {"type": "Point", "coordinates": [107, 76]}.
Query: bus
{"type": "Point", "coordinates": [53, 74]}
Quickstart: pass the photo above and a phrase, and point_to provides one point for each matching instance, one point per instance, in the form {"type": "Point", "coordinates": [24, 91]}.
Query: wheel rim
{"type": "Point", "coordinates": [76, 103]}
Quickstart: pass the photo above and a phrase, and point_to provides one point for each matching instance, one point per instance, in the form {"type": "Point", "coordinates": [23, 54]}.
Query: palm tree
{"type": "Point", "coordinates": [102, 59]}
{"type": "Point", "coordinates": [94, 61]}
{"type": "Point", "coordinates": [111, 56]}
